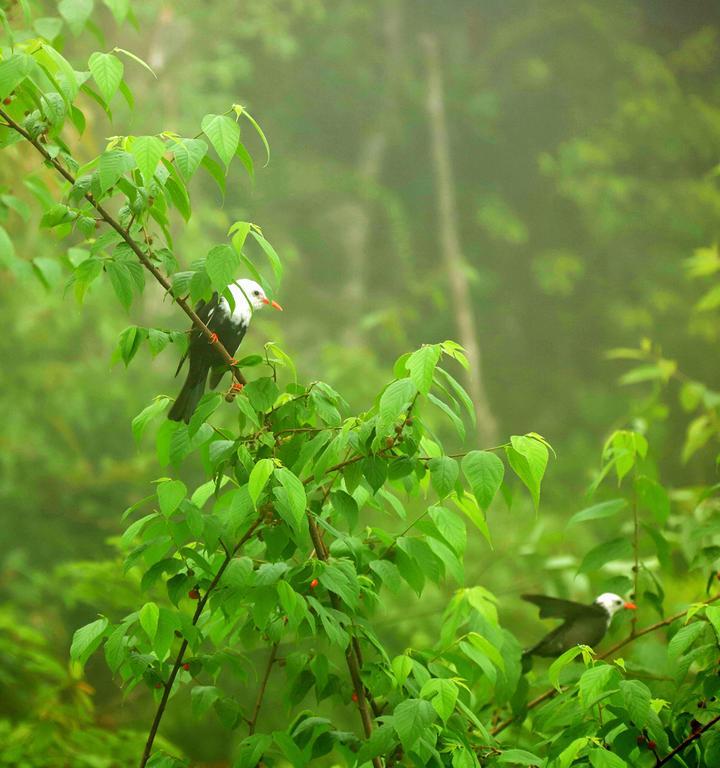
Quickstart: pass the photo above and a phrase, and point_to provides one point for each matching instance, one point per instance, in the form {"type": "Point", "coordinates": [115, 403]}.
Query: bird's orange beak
{"type": "Point", "coordinates": [630, 606]}
{"type": "Point", "coordinates": [273, 304]}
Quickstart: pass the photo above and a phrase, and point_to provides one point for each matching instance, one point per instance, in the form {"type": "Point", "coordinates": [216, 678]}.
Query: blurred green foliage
{"type": "Point", "coordinates": [584, 139]}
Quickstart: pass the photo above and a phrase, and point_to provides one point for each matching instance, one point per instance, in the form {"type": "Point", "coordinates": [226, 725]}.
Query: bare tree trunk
{"type": "Point", "coordinates": [450, 240]}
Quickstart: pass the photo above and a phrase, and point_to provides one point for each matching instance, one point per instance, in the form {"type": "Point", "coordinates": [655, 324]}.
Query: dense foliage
{"type": "Point", "coordinates": [248, 593]}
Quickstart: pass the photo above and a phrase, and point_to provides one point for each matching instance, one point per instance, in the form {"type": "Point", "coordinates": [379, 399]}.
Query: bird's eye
{"type": "Point", "coordinates": [256, 293]}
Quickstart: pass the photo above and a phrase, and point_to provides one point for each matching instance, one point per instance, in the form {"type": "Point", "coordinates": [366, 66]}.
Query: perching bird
{"type": "Point", "coordinates": [582, 625]}
{"type": "Point", "coordinates": [229, 326]}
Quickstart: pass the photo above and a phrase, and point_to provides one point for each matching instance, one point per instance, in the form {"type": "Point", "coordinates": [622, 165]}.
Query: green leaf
{"type": "Point", "coordinates": [602, 758]}
{"type": "Point", "coordinates": [107, 71]}
{"type": "Point", "coordinates": [395, 401]}
{"type": "Point", "coordinates": [713, 614]}
{"type": "Point", "coordinates": [401, 667]}
{"type": "Point", "coordinates": [170, 493]}
{"type": "Point", "coordinates": [448, 411]}
{"type": "Point", "coordinates": [411, 719]}
{"type": "Point", "coordinates": [594, 682]}
{"type": "Point", "coordinates": [374, 470]}
{"type": "Point", "coordinates": [444, 473]}
{"type": "Point", "coordinates": [567, 757]}
{"type": "Point", "coordinates": [469, 506]}
{"type": "Point", "coordinates": [118, 8]}
{"type": "Point", "coordinates": [450, 527]}
{"type": "Point", "coordinates": [487, 649]}
{"type": "Point", "coordinates": [484, 471]}
{"type": "Point", "coordinates": [442, 695]}
{"type": "Point", "coordinates": [121, 281]}
{"type": "Point", "coordinates": [222, 264]}
{"type": "Point", "coordinates": [519, 757]}
{"type": "Point", "coordinates": [224, 135]}
{"type": "Point", "coordinates": [188, 154]}
{"type": "Point", "coordinates": [129, 343]}
{"type": "Point", "coordinates": [561, 662]}
{"type": "Point", "coordinates": [617, 549]}
{"type": "Point", "coordinates": [239, 110]}
{"type": "Point", "coordinates": [112, 166]}
{"type": "Point", "coordinates": [684, 638]}
{"type": "Point", "coordinates": [295, 493]}
{"type": "Point", "coordinates": [76, 13]}
{"type": "Point", "coordinates": [148, 617]}
{"type": "Point", "coordinates": [458, 391]}
{"type": "Point", "coordinates": [216, 172]}
{"type": "Point", "coordinates": [598, 511]}
{"type": "Point", "coordinates": [339, 576]}
{"type": "Point", "coordinates": [246, 160]}
{"type": "Point", "coordinates": [258, 478]}
{"type": "Point", "coordinates": [13, 71]}
{"type": "Point", "coordinates": [140, 422]}
{"type": "Point", "coordinates": [421, 365]}
{"type": "Point", "coordinates": [262, 393]}
{"type": "Point", "coordinates": [87, 639]}
{"type": "Point", "coordinates": [202, 698]}
{"type": "Point", "coordinates": [269, 251]}
{"type": "Point", "coordinates": [147, 151]}
{"type": "Point", "coordinates": [636, 696]}
{"type": "Point", "coordinates": [528, 457]}
{"type": "Point", "coordinates": [136, 59]}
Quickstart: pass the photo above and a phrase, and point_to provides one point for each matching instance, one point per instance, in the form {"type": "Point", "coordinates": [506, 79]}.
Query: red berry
{"type": "Point", "coordinates": [7, 100]}
{"type": "Point", "coordinates": [158, 685]}
{"type": "Point", "coordinates": [193, 594]}
{"type": "Point", "coordinates": [314, 583]}
{"type": "Point", "coordinates": [186, 666]}
{"type": "Point", "coordinates": [651, 744]}
{"type": "Point", "coordinates": [354, 697]}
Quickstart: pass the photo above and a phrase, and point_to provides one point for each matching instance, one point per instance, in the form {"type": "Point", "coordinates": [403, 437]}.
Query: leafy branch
{"type": "Point", "coordinates": [686, 743]}
{"type": "Point", "coordinates": [551, 692]}
{"type": "Point", "coordinates": [202, 602]}
{"type": "Point", "coordinates": [132, 243]}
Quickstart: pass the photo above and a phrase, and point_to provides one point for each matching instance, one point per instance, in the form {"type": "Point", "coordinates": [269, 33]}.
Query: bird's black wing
{"type": "Point", "coordinates": [204, 310]}
{"type": "Point", "coordinates": [555, 608]}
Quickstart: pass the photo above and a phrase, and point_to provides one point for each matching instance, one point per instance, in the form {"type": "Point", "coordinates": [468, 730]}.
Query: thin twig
{"type": "Point", "coordinates": [352, 654]}
{"type": "Point", "coordinates": [629, 639]}
{"type": "Point", "coordinates": [183, 647]}
{"type": "Point", "coordinates": [263, 687]}
{"type": "Point", "coordinates": [692, 737]}
{"type": "Point", "coordinates": [636, 552]}
{"type": "Point", "coordinates": [128, 238]}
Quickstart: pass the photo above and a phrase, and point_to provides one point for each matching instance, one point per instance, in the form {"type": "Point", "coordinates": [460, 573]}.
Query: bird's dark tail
{"type": "Point", "coordinates": [186, 402]}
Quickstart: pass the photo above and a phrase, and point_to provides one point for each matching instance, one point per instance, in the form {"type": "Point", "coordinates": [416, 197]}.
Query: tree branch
{"type": "Point", "coordinates": [692, 737]}
{"type": "Point", "coordinates": [629, 639]}
{"type": "Point", "coordinates": [352, 655]}
{"type": "Point", "coordinates": [183, 647]}
{"type": "Point", "coordinates": [263, 687]}
{"type": "Point", "coordinates": [137, 250]}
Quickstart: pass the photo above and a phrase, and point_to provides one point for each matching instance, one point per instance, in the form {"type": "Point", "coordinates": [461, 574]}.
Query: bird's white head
{"type": "Point", "coordinates": [249, 292]}
{"type": "Point", "coordinates": [613, 603]}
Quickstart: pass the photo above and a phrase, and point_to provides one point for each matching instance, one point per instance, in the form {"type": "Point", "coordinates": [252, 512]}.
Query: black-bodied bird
{"type": "Point", "coordinates": [582, 624]}
{"type": "Point", "coordinates": [229, 325]}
